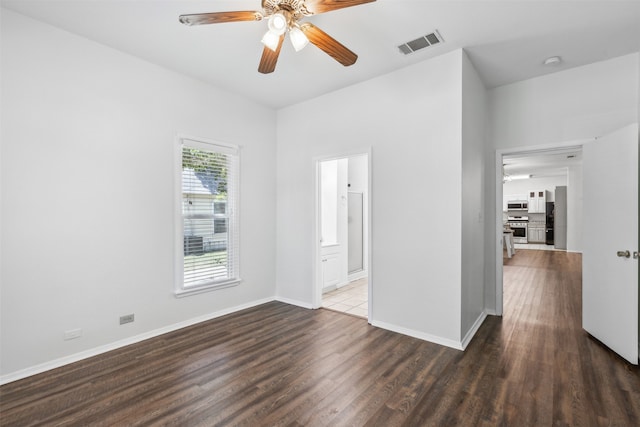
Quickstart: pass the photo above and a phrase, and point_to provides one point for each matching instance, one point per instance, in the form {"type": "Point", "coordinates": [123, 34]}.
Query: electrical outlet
{"type": "Point", "coordinates": [72, 334]}
{"type": "Point", "coordinates": [128, 318]}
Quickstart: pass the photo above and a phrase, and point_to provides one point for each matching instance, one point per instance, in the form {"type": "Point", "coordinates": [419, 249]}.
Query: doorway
{"type": "Point", "coordinates": [530, 183]}
{"type": "Point", "coordinates": [343, 279]}
{"type": "Point", "coordinates": [609, 290]}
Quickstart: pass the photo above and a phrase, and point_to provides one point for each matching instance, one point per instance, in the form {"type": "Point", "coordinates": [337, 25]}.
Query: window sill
{"type": "Point", "coordinates": [180, 293]}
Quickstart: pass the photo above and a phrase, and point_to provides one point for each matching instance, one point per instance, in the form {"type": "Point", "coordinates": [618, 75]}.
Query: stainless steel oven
{"type": "Point", "coordinates": [519, 225]}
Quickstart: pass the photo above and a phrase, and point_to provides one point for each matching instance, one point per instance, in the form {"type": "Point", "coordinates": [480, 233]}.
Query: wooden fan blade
{"type": "Point", "coordinates": [269, 58]}
{"type": "Point", "coordinates": [328, 44]}
{"type": "Point", "coordinates": [220, 17]}
{"type": "Point", "coordinates": [322, 6]}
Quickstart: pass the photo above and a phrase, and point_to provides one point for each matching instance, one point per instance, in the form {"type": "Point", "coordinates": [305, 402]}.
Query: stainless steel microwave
{"type": "Point", "coordinates": [517, 205]}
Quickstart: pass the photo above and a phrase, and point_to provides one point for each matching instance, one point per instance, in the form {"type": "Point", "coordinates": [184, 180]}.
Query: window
{"type": "Point", "coordinates": [207, 225]}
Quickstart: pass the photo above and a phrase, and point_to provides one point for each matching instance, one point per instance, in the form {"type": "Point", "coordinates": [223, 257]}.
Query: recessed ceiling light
{"type": "Point", "coordinates": [553, 60]}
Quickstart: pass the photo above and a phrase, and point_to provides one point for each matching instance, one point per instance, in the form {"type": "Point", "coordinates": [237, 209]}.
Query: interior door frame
{"type": "Point", "coordinates": [317, 245]}
{"type": "Point", "coordinates": [500, 153]}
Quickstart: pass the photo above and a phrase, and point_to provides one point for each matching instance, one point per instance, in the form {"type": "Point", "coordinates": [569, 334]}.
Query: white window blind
{"type": "Point", "coordinates": [209, 225]}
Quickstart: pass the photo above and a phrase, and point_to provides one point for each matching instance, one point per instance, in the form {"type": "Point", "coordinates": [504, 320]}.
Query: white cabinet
{"type": "Point", "coordinates": [537, 201]}
{"type": "Point", "coordinates": [330, 271]}
{"type": "Point", "coordinates": [536, 234]}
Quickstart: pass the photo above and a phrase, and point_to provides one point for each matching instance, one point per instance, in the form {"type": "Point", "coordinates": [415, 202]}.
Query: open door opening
{"type": "Point", "coordinates": [538, 191]}
{"type": "Point", "coordinates": [609, 197]}
{"type": "Point", "coordinates": [342, 228]}
{"type": "Point", "coordinates": [541, 195]}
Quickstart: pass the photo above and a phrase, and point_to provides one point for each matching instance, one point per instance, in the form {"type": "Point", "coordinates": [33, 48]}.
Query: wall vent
{"type": "Point", "coordinates": [421, 42]}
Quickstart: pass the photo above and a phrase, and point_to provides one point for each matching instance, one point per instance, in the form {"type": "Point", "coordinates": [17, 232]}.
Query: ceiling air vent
{"type": "Point", "coordinates": [421, 43]}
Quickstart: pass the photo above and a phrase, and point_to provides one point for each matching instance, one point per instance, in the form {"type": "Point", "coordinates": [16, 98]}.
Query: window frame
{"type": "Point", "coordinates": [232, 207]}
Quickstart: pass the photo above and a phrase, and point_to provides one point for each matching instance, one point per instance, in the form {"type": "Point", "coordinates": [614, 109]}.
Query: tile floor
{"type": "Point", "coordinates": [351, 298]}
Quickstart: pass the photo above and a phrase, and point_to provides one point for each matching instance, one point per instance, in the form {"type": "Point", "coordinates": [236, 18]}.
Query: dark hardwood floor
{"type": "Point", "coordinates": [278, 364]}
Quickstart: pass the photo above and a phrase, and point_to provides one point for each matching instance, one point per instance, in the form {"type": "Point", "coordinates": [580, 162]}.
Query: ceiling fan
{"type": "Point", "coordinates": [286, 16]}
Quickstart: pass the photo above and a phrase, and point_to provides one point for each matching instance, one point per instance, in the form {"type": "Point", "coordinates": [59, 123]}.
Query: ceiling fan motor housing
{"type": "Point", "coordinates": [297, 8]}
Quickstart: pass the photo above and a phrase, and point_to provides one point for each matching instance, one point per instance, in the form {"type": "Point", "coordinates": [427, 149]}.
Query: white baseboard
{"type": "Point", "coordinates": [43, 367]}
{"type": "Point", "coordinates": [294, 302]}
{"type": "Point", "coordinates": [420, 335]}
{"type": "Point", "coordinates": [358, 275]}
{"type": "Point", "coordinates": [342, 284]}
{"type": "Point", "coordinates": [329, 289]}
{"type": "Point", "coordinates": [434, 338]}
{"type": "Point", "coordinates": [474, 328]}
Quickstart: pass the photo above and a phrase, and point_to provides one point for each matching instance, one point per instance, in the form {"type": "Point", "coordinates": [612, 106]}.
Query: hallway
{"type": "Point", "coordinates": [571, 376]}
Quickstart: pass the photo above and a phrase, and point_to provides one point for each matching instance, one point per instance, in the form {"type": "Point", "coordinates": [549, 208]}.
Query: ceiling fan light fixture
{"type": "Point", "coordinates": [271, 40]}
{"type": "Point", "coordinates": [298, 39]}
{"type": "Point", "coordinates": [278, 23]}
{"type": "Point", "coordinates": [518, 177]}
{"type": "Point", "coordinates": [284, 16]}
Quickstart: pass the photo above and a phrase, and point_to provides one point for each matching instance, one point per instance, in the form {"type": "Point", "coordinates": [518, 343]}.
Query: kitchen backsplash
{"type": "Point", "coordinates": [536, 218]}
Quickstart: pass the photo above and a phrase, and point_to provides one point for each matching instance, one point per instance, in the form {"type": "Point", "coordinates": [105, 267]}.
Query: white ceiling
{"type": "Point", "coordinates": [543, 164]}
{"type": "Point", "coordinates": [506, 40]}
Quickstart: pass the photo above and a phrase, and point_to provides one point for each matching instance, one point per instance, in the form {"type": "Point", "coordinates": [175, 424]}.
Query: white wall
{"type": "Point", "coordinates": [524, 186]}
{"type": "Point", "coordinates": [473, 147]}
{"type": "Point", "coordinates": [575, 104]}
{"type": "Point", "coordinates": [343, 217]}
{"type": "Point", "coordinates": [578, 103]}
{"type": "Point", "coordinates": [411, 119]}
{"type": "Point", "coordinates": [358, 176]}
{"type": "Point", "coordinates": [574, 209]}
{"type": "Point", "coordinates": [87, 198]}
{"type": "Point", "coordinates": [329, 202]}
